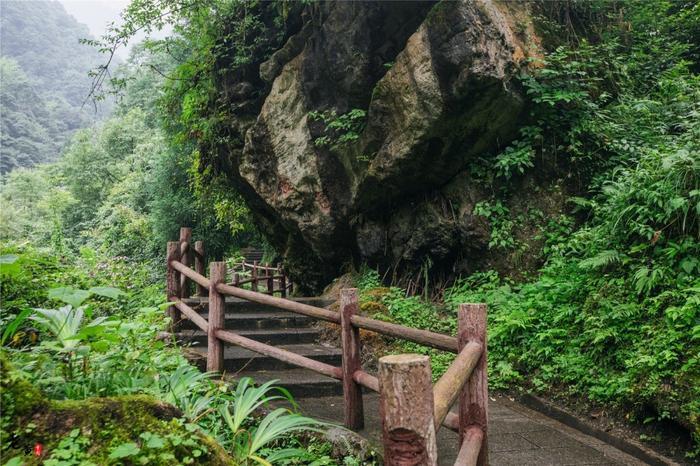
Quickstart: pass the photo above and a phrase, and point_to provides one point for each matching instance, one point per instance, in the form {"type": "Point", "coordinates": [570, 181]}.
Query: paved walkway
{"type": "Point", "coordinates": [517, 435]}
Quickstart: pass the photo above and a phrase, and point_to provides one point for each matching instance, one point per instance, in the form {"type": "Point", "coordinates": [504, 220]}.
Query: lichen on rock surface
{"type": "Point", "coordinates": [435, 81]}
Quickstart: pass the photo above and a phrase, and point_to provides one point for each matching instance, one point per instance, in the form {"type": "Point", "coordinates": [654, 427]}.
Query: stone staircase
{"type": "Point", "coordinates": [286, 330]}
{"type": "Point", "coordinates": [251, 254]}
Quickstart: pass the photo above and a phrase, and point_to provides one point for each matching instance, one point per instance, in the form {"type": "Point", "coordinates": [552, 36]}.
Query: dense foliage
{"type": "Point", "coordinates": [44, 81]}
{"type": "Point", "coordinates": [81, 311]}
{"type": "Point", "coordinates": [121, 186]}
{"type": "Point", "coordinates": [613, 316]}
{"type": "Point", "coordinates": [88, 353]}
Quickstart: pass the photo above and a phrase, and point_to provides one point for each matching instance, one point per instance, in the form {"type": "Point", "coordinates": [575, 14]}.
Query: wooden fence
{"type": "Point", "coordinates": [273, 278]}
{"type": "Point", "coordinates": [412, 409]}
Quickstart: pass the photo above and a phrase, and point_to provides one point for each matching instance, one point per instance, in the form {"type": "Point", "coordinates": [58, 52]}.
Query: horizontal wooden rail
{"type": "Point", "coordinates": [447, 389]}
{"type": "Point", "coordinates": [282, 355]}
{"type": "Point", "coordinates": [257, 279]}
{"type": "Point", "coordinates": [259, 267]}
{"type": "Point", "coordinates": [189, 273]}
{"type": "Point", "coordinates": [423, 337]}
{"type": "Point", "coordinates": [465, 379]}
{"type": "Point", "coordinates": [286, 304]}
{"type": "Point", "coordinates": [243, 282]}
{"type": "Point", "coordinates": [191, 314]}
{"type": "Point", "coordinates": [471, 447]}
{"type": "Point", "coordinates": [366, 380]}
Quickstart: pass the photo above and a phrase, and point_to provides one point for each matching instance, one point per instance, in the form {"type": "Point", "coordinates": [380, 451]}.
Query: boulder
{"type": "Point", "coordinates": [433, 85]}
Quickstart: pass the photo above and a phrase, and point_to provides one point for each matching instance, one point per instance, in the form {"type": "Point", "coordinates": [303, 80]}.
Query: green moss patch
{"type": "Point", "coordinates": [125, 430]}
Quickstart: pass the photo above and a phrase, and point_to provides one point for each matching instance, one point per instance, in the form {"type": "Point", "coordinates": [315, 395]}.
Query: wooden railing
{"type": "Point", "coordinates": [255, 273]}
{"type": "Point", "coordinates": [412, 409]}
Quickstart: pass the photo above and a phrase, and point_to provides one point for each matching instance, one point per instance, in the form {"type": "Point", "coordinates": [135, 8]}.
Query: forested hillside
{"type": "Point", "coordinates": [541, 157]}
{"type": "Point", "coordinates": [44, 81]}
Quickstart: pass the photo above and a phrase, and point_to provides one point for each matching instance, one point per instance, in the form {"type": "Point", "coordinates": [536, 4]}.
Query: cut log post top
{"type": "Point", "coordinates": [406, 408]}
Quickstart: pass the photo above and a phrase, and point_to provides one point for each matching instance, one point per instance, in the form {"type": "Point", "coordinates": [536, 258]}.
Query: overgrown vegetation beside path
{"type": "Point", "coordinates": [86, 380]}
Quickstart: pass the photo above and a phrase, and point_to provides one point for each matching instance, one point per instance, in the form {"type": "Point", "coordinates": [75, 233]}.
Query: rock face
{"type": "Point", "coordinates": [430, 89]}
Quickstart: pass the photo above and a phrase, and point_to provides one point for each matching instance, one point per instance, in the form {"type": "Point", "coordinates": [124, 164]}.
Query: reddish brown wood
{"type": "Point", "coordinates": [448, 388]}
{"type": "Point", "coordinates": [283, 282]}
{"type": "Point", "coordinates": [217, 309]}
{"type": "Point", "coordinates": [366, 380]}
{"type": "Point", "coordinates": [451, 422]}
{"type": "Point", "coordinates": [185, 258]}
{"type": "Point", "coordinates": [254, 277]}
{"type": "Point", "coordinates": [406, 410]}
{"type": "Point", "coordinates": [369, 381]}
{"type": "Point", "coordinates": [350, 339]}
{"type": "Point", "coordinates": [184, 270]}
{"type": "Point", "coordinates": [236, 279]}
{"type": "Point", "coordinates": [473, 401]}
{"type": "Point", "coordinates": [424, 337]}
{"type": "Point", "coordinates": [173, 280]}
{"type": "Point", "coordinates": [258, 266]}
{"type": "Point", "coordinates": [293, 306]}
{"type": "Point", "coordinates": [282, 355]}
{"type": "Point", "coordinates": [270, 280]}
{"type": "Point", "coordinates": [192, 315]}
{"type": "Point", "coordinates": [199, 261]}
{"type": "Point", "coordinates": [471, 446]}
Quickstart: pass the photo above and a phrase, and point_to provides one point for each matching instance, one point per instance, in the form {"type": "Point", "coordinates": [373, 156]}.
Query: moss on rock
{"type": "Point", "coordinates": [123, 430]}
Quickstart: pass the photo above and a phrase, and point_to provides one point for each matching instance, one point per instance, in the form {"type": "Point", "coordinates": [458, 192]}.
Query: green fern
{"type": "Point", "coordinates": [601, 260]}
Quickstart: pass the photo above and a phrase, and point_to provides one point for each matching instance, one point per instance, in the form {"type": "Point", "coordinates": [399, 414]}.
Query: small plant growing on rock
{"type": "Point", "coordinates": [339, 129]}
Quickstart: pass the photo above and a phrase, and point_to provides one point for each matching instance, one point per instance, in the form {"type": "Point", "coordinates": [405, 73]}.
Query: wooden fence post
{"type": "Point", "coordinates": [406, 409]}
{"type": "Point", "coordinates": [283, 281]}
{"type": "Point", "coordinates": [173, 280]}
{"type": "Point", "coordinates": [254, 277]}
{"type": "Point", "coordinates": [474, 399]}
{"type": "Point", "coordinates": [270, 280]}
{"type": "Point", "coordinates": [217, 316]}
{"type": "Point", "coordinates": [199, 261]}
{"type": "Point", "coordinates": [350, 338]}
{"type": "Point", "coordinates": [185, 237]}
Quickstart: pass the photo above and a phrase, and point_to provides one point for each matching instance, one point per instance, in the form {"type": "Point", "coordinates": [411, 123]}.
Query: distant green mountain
{"type": "Point", "coordinates": [43, 81]}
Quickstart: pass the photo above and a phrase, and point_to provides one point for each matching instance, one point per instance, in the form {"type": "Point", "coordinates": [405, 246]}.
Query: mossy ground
{"type": "Point", "coordinates": [90, 431]}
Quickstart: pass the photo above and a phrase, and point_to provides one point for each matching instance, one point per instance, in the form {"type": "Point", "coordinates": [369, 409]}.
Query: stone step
{"type": "Point", "coordinates": [256, 320]}
{"type": "Point", "coordinates": [301, 383]}
{"type": "Point", "coordinates": [283, 336]}
{"type": "Point", "coordinates": [237, 358]}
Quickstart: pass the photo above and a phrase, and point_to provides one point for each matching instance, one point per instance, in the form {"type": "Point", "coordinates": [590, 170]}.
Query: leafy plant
{"type": "Point", "coordinates": [339, 129]}
{"type": "Point", "coordinates": [247, 441]}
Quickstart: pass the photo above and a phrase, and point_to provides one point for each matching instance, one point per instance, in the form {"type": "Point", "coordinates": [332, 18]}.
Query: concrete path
{"type": "Point", "coordinates": [517, 435]}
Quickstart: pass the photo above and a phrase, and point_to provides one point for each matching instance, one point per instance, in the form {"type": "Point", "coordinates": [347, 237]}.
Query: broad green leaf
{"type": "Point", "coordinates": [16, 461]}
{"type": "Point", "coordinates": [69, 295]}
{"type": "Point", "coordinates": [124, 451]}
{"type": "Point", "coordinates": [8, 259]}
{"type": "Point", "coordinates": [155, 441]}
{"type": "Point", "coordinates": [100, 346]}
{"type": "Point", "coordinates": [9, 265]}
{"type": "Point", "coordinates": [107, 291]}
